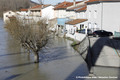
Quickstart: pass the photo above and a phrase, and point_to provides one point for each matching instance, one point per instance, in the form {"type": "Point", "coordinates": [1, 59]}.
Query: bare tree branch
{"type": "Point", "coordinates": [31, 37]}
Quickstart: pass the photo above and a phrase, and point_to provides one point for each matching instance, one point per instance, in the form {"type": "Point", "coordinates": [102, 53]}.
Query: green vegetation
{"type": "Point", "coordinates": [74, 43]}
{"type": "Point", "coordinates": [69, 38]}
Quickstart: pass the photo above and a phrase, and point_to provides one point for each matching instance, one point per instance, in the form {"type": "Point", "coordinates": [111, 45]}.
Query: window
{"type": "Point", "coordinates": [95, 14]}
{"type": "Point", "coordinates": [89, 14]}
{"type": "Point", "coordinates": [71, 31]}
{"type": "Point", "coordinates": [76, 28]}
{"type": "Point", "coordinates": [89, 25]}
{"type": "Point", "coordinates": [58, 25]}
{"type": "Point", "coordinates": [95, 26]}
{"type": "Point", "coordinates": [9, 12]}
{"type": "Point", "coordinates": [81, 26]}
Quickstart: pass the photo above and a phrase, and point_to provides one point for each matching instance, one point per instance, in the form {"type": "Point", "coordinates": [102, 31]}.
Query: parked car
{"type": "Point", "coordinates": [89, 32]}
{"type": "Point", "coordinates": [102, 33]}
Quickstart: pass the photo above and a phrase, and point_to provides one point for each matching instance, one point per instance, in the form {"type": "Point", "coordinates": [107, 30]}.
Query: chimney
{"type": "Point", "coordinates": [74, 2]}
{"type": "Point", "coordinates": [64, 2]}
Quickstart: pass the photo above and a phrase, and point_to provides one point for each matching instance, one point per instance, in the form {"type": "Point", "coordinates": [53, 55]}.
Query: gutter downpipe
{"type": "Point", "coordinates": [101, 15]}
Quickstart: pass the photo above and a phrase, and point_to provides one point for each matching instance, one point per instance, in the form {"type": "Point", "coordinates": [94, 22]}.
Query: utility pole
{"type": "Point", "coordinates": [41, 2]}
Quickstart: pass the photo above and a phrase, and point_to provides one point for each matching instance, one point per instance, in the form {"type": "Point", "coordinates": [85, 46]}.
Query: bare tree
{"type": "Point", "coordinates": [31, 37]}
{"type": "Point", "coordinates": [40, 1]}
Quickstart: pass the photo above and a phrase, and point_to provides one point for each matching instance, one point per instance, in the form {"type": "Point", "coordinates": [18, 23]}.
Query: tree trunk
{"type": "Point", "coordinates": [36, 57]}
{"type": "Point", "coordinates": [28, 54]}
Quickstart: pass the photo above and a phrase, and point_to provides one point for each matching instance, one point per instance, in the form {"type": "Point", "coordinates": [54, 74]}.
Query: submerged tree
{"type": "Point", "coordinates": [31, 36]}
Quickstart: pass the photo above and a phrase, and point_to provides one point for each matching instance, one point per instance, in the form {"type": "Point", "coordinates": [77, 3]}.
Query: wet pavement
{"type": "Point", "coordinates": [106, 51]}
{"type": "Point", "coordinates": [58, 61]}
{"type": "Point", "coordinates": [105, 57]}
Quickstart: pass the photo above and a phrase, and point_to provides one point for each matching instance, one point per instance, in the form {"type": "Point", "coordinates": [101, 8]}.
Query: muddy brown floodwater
{"type": "Point", "coordinates": [58, 61]}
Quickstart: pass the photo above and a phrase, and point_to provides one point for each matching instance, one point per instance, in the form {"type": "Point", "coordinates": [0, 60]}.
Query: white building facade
{"type": "Point", "coordinates": [103, 15]}
{"type": "Point", "coordinates": [8, 14]}
{"type": "Point", "coordinates": [74, 26]}
{"type": "Point", "coordinates": [94, 16]}
{"type": "Point", "coordinates": [111, 16]}
{"type": "Point", "coordinates": [23, 12]}
{"type": "Point", "coordinates": [48, 12]}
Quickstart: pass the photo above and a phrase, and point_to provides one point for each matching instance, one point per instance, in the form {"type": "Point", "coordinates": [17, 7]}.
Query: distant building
{"type": "Point", "coordinates": [7, 15]}
{"type": "Point", "coordinates": [74, 25]}
{"type": "Point", "coordinates": [60, 9]}
{"type": "Point", "coordinates": [61, 15]}
{"type": "Point", "coordinates": [23, 12]}
{"type": "Point", "coordinates": [36, 10]}
{"type": "Point", "coordinates": [79, 20]}
{"type": "Point", "coordinates": [48, 12]}
{"type": "Point", "coordinates": [71, 11]}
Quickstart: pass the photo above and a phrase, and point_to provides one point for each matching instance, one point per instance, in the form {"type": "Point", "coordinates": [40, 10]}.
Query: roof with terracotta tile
{"type": "Point", "coordinates": [92, 1]}
{"type": "Point", "coordinates": [75, 8]}
{"type": "Point", "coordinates": [24, 10]}
{"type": "Point", "coordinates": [89, 1]}
{"type": "Point", "coordinates": [64, 5]}
{"type": "Point", "coordinates": [84, 8]}
{"type": "Point", "coordinates": [39, 6]}
{"type": "Point", "coordinates": [76, 21]}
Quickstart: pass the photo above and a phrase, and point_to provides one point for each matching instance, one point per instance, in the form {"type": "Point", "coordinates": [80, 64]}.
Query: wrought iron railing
{"type": "Point", "coordinates": [116, 34]}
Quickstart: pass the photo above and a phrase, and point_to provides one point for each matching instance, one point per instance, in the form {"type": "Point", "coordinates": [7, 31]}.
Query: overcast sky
{"type": "Point", "coordinates": [53, 2]}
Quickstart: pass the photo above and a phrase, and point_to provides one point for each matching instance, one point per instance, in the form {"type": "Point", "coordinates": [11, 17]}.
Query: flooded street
{"type": "Point", "coordinates": [58, 61]}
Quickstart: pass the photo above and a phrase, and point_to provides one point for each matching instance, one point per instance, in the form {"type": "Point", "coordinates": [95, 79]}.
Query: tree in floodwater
{"type": "Point", "coordinates": [31, 36]}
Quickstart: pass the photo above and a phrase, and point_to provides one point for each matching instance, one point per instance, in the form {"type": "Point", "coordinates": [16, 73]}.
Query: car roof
{"type": "Point", "coordinates": [99, 30]}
